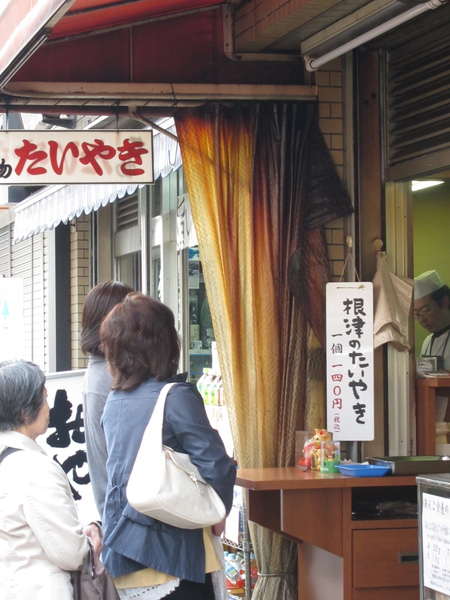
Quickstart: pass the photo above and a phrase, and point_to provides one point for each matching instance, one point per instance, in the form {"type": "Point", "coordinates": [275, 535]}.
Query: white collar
{"type": "Point", "coordinates": [15, 439]}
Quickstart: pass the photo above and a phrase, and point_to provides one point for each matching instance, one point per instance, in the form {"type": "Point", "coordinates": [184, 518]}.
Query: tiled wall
{"type": "Point", "coordinates": [79, 267]}
{"type": "Point", "coordinates": [261, 22]}
{"type": "Point", "coordinates": [331, 89]}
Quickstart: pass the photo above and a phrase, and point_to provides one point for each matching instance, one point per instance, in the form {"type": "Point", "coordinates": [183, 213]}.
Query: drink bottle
{"type": "Point", "coordinates": [253, 570]}
{"type": "Point", "coordinates": [231, 572]}
{"type": "Point", "coordinates": [201, 381]}
{"type": "Point", "coordinates": [207, 386]}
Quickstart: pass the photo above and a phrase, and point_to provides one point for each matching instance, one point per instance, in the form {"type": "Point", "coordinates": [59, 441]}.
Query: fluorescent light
{"type": "Point", "coordinates": [426, 183]}
{"type": "Point", "coordinates": [312, 63]}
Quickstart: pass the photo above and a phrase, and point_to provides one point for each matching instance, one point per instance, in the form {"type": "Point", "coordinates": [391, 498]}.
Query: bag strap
{"type": "Point", "coordinates": [7, 452]}
{"type": "Point", "coordinates": [153, 431]}
{"type": "Point", "coordinates": [92, 566]}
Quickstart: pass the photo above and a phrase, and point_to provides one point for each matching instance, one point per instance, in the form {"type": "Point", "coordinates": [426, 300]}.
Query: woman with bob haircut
{"type": "Point", "coordinates": [148, 558]}
{"type": "Point", "coordinates": [41, 538]}
{"type": "Point", "coordinates": [97, 380]}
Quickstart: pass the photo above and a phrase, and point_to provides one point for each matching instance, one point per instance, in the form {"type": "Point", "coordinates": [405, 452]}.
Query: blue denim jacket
{"type": "Point", "coordinates": [133, 541]}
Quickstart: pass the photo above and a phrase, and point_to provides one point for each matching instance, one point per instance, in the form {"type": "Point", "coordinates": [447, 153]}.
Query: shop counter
{"type": "Point", "coordinates": [426, 391]}
{"type": "Point", "coordinates": [347, 549]}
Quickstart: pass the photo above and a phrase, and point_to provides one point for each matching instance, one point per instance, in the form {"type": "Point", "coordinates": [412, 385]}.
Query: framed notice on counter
{"type": "Point", "coordinates": [435, 520]}
{"type": "Point", "coordinates": [349, 351]}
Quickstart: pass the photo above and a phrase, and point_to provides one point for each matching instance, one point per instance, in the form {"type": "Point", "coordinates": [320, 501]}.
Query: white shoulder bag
{"type": "Point", "coordinates": [165, 485]}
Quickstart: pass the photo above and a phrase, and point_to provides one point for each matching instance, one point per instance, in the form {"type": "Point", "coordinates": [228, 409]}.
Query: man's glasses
{"type": "Point", "coordinates": [424, 311]}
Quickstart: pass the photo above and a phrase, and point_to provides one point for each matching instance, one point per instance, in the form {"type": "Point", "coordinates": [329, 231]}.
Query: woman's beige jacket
{"type": "Point", "coordinates": [41, 538]}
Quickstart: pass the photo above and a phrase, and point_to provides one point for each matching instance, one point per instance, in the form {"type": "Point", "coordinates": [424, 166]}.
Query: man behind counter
{"type": "Point", "coordinates": [432, 309]}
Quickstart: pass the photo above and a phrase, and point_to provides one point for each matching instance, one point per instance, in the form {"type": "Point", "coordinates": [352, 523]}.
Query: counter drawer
{"type": "Point", "coordinates": [385, 558]}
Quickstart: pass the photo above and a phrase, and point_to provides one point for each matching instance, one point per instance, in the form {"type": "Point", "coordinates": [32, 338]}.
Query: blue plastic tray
{"type": "Point", "coordinates": [358, 470]}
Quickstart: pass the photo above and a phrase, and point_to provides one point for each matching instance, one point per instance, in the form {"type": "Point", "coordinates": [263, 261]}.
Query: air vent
{"type": "Point", "coordinates": [419, 97]}
{"type": "Point", "coordinates": [127, 212]}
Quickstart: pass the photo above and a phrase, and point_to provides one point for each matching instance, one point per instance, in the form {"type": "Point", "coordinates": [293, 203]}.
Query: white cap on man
{"type": "Point", "coordinates": [426, 283]}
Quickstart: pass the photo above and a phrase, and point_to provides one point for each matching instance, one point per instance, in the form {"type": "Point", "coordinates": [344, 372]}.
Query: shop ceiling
{"type": "Point", "coordinates": [113, 56]}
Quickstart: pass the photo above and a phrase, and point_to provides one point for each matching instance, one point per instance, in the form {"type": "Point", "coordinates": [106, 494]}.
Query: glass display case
{"type": "Point", "coordinates": [201, 333]}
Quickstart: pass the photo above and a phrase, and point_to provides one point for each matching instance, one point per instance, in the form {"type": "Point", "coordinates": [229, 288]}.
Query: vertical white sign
{"type": "Point", "coordinates": [350, 394]}
{"type": "Point", "coordinates": [11, 318]}
{"type": "Point", "coordinates": [436, 543]}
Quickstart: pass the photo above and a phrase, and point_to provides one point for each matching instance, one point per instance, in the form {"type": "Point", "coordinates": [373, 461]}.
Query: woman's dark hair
{"type": "Point", "coordinates": [140, 341]}
{"type": "Point", "coordinates": [21, 393]}
{"type": "Point", "coordinates": [99, 301]}
{"type": "Point", "coordinates": [440, 294]}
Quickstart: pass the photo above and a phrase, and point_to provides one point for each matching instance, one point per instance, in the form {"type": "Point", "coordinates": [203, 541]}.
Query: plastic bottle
{"type": "Point", "coordinates": [232, 571]}
{"type": "Point", "coordinates": [241, 564]}
{"type": "Point", "coordinates": [220, 396]}
{"type": "Point", "coordinates": [193, 319]}
{"type": "Point", "coordinates": [225, 557]}
{"type": "Point", "coordinates": [194, 326]}
{"type": "Point", "coordinates": [214, 391]}
{"type": "Point", "coordinates": [241, 568]}
{"type": "Point", "coordinates": [202, 380]}
{"type": "Point", "coordinates": [207, 386]}
{"type": "Point", "coordinates": [253, 570]}
{"type": "Point", "coordinates": [206, 327]}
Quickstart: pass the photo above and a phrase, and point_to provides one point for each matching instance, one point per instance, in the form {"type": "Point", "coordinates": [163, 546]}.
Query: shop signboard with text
{"type": "Point", "coordinates": [82, 156]}
{"type": "Point", "coordinates": [350, 385]}
{"type": "Point", "coordinates": [64, 439]}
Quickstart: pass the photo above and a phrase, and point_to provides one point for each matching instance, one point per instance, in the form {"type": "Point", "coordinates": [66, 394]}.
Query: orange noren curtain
{"type": "Point", "coordinates": [261, 184]}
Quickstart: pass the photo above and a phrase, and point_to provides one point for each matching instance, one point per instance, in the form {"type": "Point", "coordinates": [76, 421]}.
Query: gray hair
{"type": "Point", "coordinates": [21, 393]}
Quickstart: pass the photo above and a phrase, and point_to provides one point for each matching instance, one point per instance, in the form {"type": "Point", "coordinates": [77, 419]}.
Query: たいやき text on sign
{"type": "Point", "coordinates": [82, 156]}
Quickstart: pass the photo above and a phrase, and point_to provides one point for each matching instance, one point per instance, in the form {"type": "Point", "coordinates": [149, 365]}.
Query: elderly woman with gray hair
{"type": "Point", "coordinates": [41, 538]}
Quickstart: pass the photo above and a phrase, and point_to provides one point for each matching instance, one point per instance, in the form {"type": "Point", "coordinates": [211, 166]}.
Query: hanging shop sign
{"type": "Point", "coordinates": [350, 393]}
{"type": "Point", "coordinates": [82, 156]}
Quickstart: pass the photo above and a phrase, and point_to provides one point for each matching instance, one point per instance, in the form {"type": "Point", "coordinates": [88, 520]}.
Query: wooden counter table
{"type": "Point", "coordinates": [360, 558]}
{"type": "Point", "coordinates": [426, 392]}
